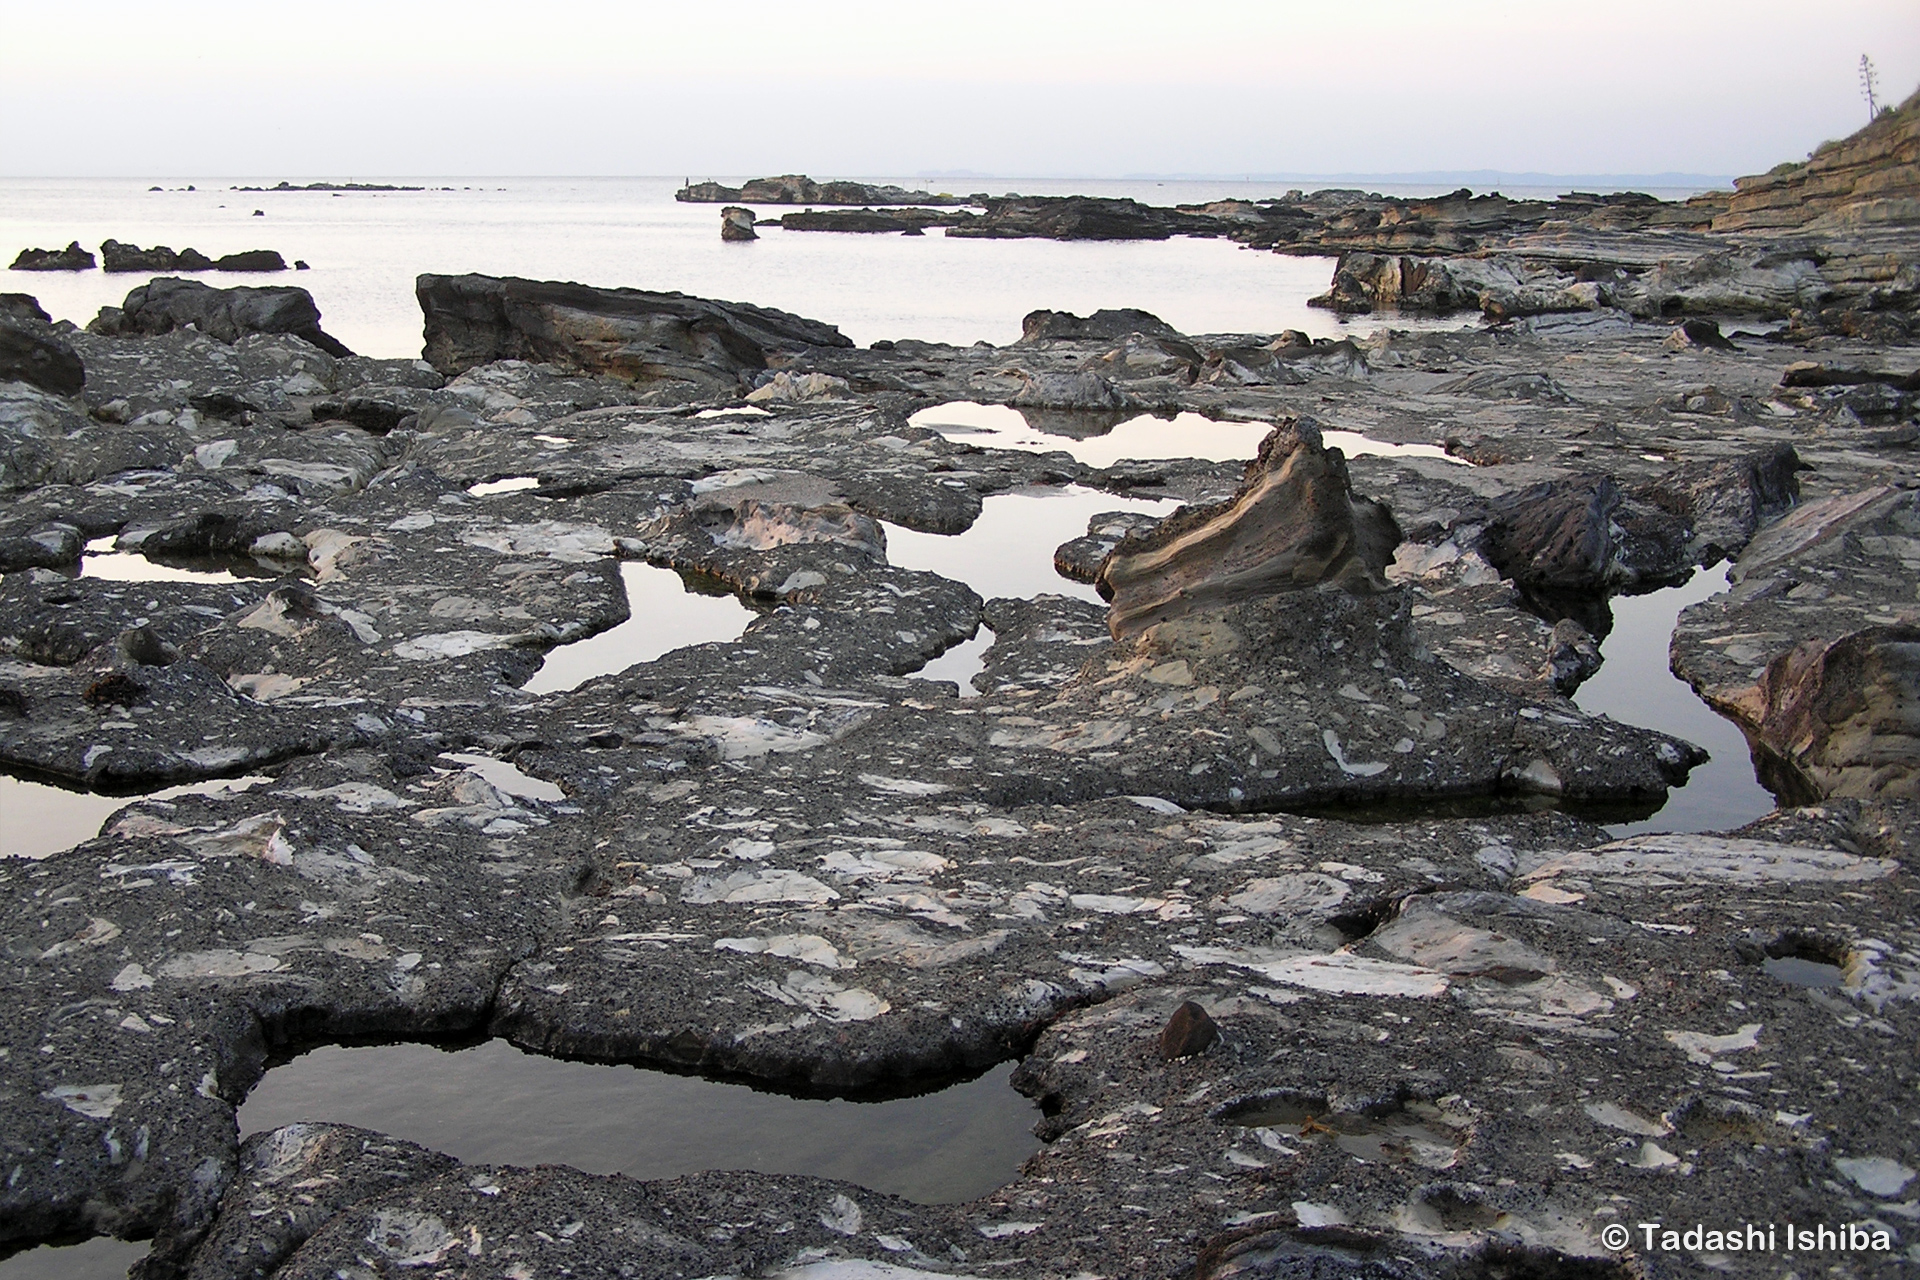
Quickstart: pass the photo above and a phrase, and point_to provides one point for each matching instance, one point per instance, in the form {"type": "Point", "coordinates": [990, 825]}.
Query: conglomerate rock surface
{"type": "Point", "coordinates": [1461, 1037]}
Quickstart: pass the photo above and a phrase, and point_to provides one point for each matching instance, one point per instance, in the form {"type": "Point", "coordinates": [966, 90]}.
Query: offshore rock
{"type": "Point", "coordinates": [71, 258]}
{"type": "Point", "coordinates": [33, 353]}
{"type": "Point", "coordinates": [1294, 524]}
{"type": "Point", "coordinates": [736, 223]}
{"type": "Point", "coordinates": [169, 303]}
{"type": "Point", "coordinates": [631, 334]}
{"type": "Point", "coordinates": [121, 258]}
{"type": "Point", "coordinates": [797, 188]}
{"type": "Point", "coordinates": [1042, 326]}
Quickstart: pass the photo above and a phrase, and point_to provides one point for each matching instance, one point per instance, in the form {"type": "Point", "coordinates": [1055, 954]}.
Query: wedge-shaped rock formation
{"type": "Point", "coordinates": [1869, 178]}
{"type": "Point", "coordinates": [169, 303]}
{"type": "Point", "coordinates": [1294, 524]}
{"type": "Point", "coordinates": [633, 334]}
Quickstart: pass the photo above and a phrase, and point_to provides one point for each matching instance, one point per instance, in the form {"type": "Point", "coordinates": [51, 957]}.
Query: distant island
{"type": "Point", "coordinates": [333, 186]}
{"type": "Point", "coordinates": [797, 188]}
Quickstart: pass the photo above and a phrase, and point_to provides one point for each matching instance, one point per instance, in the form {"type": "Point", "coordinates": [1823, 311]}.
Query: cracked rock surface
{"type": "Point", "coordinates": [1353, 827]}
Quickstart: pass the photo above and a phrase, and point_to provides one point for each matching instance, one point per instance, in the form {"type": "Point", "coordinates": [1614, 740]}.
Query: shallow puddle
{"type": "Point", "coordinates": [961, 663]}
{"type": "Point", "coordinates": [1636, 686]}
{"type": "Point", "coordinates": [38, 820]}
{"type": "Point", "coordinates": [505, 777]}
{"type": "Point", "coordinates": [1402, 1136]}
{"type": "Point", "coordinates": [1008, 551]}
{"type": "Point", "coordinates": [126, 566]}
{"type": "Point", "coordinates": [668, 612]}
{"type": "Point", "coordinates": [101, 1258]}
{"type": "Point", "coordinates": [511, 484]}
{"type": "Point", "coordinates": [495, 1104]}
{"type": "Point", "coordinates": [1144, 438]}
{"type": "Point", "coordinates": [1798, 971]}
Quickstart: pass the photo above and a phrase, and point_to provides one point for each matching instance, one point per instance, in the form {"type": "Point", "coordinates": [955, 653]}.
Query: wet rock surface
{"type": "Point", "coordinates": [1456, 1027]}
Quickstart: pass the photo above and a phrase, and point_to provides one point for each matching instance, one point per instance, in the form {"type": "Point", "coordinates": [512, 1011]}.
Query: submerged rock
{"type": "Point", "coordinates": [1295, 524]}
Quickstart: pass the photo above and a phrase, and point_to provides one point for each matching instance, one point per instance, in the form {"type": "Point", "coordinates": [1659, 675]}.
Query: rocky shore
{"type": "Point", "coordinates": [1282, 872]}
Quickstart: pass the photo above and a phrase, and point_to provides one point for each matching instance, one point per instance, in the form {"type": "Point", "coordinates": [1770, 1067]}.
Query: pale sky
{"type": "Point", "coordinates": [846, 87]}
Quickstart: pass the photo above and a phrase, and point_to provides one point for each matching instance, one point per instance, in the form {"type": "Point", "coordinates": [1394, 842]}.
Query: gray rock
{"type": "Point", "coordinates": [632, 334]}
{"type": "Point", "coordinates": [165, 304]}
{"type": "Point", "coordinates": [32, 353]}
{"type": "Point", "coordinates": [736, 223]}
{"type": "Point", "coordinates": [1295, 524]}
{"type": "Point", "coordinates": [71, 258]}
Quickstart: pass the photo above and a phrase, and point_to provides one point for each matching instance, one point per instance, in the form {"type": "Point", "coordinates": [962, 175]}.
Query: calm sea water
{"type": "Point", "coordinates": [365, 249]}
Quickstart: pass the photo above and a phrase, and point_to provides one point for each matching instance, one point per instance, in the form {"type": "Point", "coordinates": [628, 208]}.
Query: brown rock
{"type": "Point", "coordinates": [1294, 524]}
{"type": "Point", "coordinates": [1191, 1030]}
{"type": "Point", "coordinates": [736, 223]}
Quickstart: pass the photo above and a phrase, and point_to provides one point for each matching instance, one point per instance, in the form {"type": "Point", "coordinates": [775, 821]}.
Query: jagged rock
{"type": "Point", "coordinates": [71, 258]}
{"type": "Point", "coordinates": [1294, 524]}
{"type": "Point", "coordinates": [631, 334]}
{"type": "Point", "coordinates": [22, 306]}
{"type": "Point", "coordinates": [1042, 326]}
{"type": "Point", "coordinates": [32, 352]}
{"type": "Point", "coordinates": [1083, 390]}
{"type": "Point", "coordinates": [787, 386]}
{"type": "Point", "coordinates": [1081, 558]}
{"type": "Point", "coordinates": [1725, 500]}
{"type": "Point", "coordinates": [737, 224]}
{"type": "Point", "coordinates": [1572, 655]}
{"type": "Point", "coordinates": [1582, 536]}
{"type": "Point", "coordinates": [1191, 1030]}
{"type": "Point", "coordinates": [1141, 356]}
{"type": "Point", "coordinates": [123, 258]}
{"type": "Point", "coordinates": [166, 304]}
{"type": "Point", "coordinates": [1693, 335]}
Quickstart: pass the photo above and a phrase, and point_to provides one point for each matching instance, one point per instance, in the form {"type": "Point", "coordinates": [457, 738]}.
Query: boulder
{"type": "Point", "coordinates": [71, 258]}
{"type": "Point", "coordinates": [251, 260]}
{"type": "Point", "coordinates": [1696, 335]}
{"type": "Point", "coordinates": [1725, 500]}
{"type": "Point", "coordinates": [1583, 536]}
{"type": "Point", "coordinates": [31, 352]}
{"type": "Point", "coordinates": [736, 223]}
{"type": "Point", "coordinates": [635, 335]}
{"type": "Point", "coordinates": [1295, 523]}
{"type": "Point", "coordinates": [1101, 326]}
{"type": "Point", "coordinates": [168, 303]}
{"type": "Point", "coordinates": [22, 306]}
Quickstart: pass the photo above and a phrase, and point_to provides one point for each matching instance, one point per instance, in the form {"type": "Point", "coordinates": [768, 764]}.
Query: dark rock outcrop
{"type": "Point", "coordinates": [1725, 500]}
{"type": "Point", "coordinates": [22, 306]}
{"type": "Point", "coordinates": [31, 352]}
{"type": "Point", "coordinates": [168, 303]}
{"type": "Point", "coordinates": [251, 260]}
{"type": "Point", "coordinates": [126, 258]}
{"type": "Point", "coordinates": [1294, 524]}
{"type": "Point", "coordinates": [71, 258]}
{"type": "Point", "coordinates": [632, 334]}
{"type": "Point", "coordinates": [797, 188]}
{"type": "Point", "coordinates": [1042, 326]}
{"type": "Point", "coordinates": [1583, 536]}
